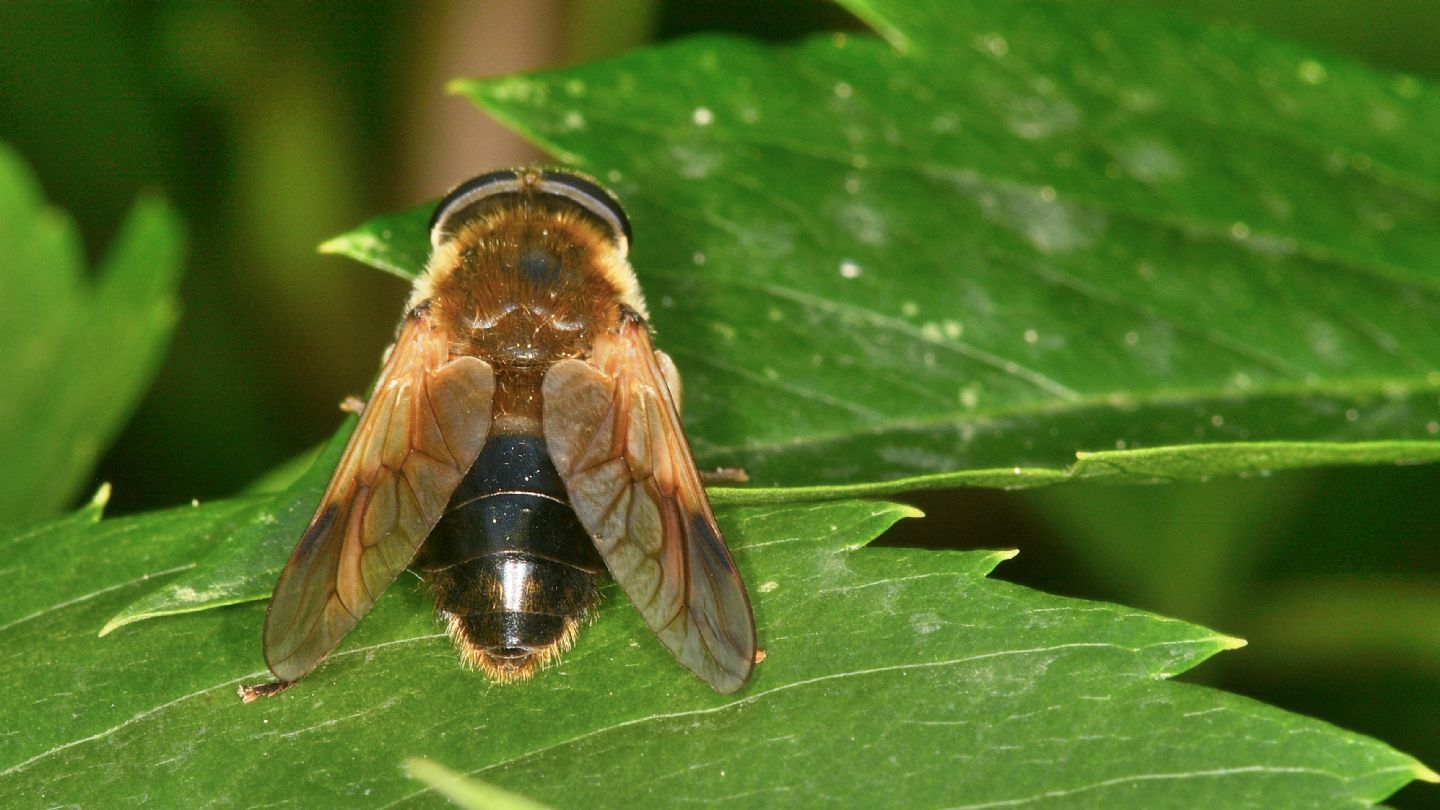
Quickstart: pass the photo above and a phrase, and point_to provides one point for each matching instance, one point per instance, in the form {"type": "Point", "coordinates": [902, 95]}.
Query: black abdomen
{"type": "Point", "coordinates": [510, 567]}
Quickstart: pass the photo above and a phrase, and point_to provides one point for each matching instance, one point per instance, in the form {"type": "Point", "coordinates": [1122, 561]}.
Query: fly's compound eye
{"type": "Point", "coordinates": [593, 198]}
{"type": "Point", "coordinates": [468, 199]}
{"type": "Point", "coordinates": [493, 190]}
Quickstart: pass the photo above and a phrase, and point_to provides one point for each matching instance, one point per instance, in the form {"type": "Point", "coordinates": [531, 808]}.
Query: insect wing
{"type": "Point", "coordinates": [615, 436]}
{"type": "Point", "coordinates": [426, 421]}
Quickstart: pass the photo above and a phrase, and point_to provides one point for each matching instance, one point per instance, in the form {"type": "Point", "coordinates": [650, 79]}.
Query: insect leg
{"type": "Point", "coordinates": [250, 694]}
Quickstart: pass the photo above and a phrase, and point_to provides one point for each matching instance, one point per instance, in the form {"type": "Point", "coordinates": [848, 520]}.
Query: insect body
{"type": "Point", "coordinates": [523, 438]}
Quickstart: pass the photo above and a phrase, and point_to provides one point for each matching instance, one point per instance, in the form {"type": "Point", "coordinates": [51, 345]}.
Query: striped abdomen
{"type": "Point", "coordinates": [511, 569]}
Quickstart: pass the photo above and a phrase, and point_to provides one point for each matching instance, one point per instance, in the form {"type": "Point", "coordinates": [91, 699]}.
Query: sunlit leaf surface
{"type": "Point", "coordinates": [887, 669]}
{"type": "Point", "coordinates": [1031, 231]}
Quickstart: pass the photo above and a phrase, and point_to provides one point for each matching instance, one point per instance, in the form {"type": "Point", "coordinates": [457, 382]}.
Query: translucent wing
{"type": "Point", "coordinates": [615, 436]}
{"type": "Point", "coordinates": [425, 423]}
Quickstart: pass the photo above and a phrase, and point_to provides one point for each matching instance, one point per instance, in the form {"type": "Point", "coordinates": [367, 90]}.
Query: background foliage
{"type": "Point", "coordinates": [271, 128]}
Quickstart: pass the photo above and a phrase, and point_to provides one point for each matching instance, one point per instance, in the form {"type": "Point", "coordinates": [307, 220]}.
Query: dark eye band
{"type": "Point", "coordinates": [591, 196]}
{"type": "Point", "coordinates": [487, 190]}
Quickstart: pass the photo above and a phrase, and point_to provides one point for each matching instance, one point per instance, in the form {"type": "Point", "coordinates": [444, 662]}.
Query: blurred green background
{"type": "Point", "coordinates": [273, 126]}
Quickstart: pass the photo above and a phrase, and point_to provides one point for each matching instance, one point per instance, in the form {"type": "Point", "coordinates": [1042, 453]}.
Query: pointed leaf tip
{"type": "Point", "coordinates": [100, 499]}
{"type": "Point", "coordinates": [335, 246]}
{"type": "Point", "coordinates": [119, 620]}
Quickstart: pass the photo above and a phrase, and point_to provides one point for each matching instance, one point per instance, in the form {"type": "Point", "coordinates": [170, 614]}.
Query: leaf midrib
{"type": "Point", "coordinates": [1334, 388]}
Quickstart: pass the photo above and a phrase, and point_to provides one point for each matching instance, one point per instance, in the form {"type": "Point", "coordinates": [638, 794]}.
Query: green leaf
{"type": "Point", "coordinates": [245, 562]}
{"type": "Point", "coordinates": [982, 688]}
{"type": "Point", "coordinates": [1033, 230]}
{"type": "Point", "coordinates": [77, 352]}
{"type": "Point", "coordinates": [250, 547]}
{"type": "Point", "coordinates": [887, 667]}
{"type": "Point", "coordinates": [397, 243]}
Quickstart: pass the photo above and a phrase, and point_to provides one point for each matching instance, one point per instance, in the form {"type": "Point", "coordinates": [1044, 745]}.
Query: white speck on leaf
{"type": "Point", "coordinates": [849, 269]}
{"type": "Point", "coordinates": [866, 223]}
{"type": "Point", "coordinates": [1050, 225]}
{"type": "Point", "coordinates": [945, 123]}
{"type": "Point", "coordinates": [917, 458]}
{"type": "Point", "coordinates": [1310, 71]}
{"type": "Point", "coordinates": [926, 623]}
{"type": "Point", "coordinates": [695, 162]}
{"type": "Point", "coordinates": [1325, 342]}
{"type": "Point", "coordinates": [1149, 160]}
{"type": "Point", "coordinates": [1038, 116]}
{"type": "Point", "coordinates": [702, 116]}
{"type": "Point", "coordinates": [994, 44]}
